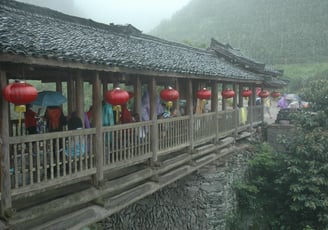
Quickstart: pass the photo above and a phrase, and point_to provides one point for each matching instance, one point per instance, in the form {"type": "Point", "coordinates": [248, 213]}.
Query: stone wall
{"type": "Point", "coordinates": [277, 132]}
{"type": "Point", "coordinates": [199, 201]}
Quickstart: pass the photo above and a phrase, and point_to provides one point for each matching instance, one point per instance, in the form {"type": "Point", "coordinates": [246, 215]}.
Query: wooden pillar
{"type": "Point", "coordinates": [234, 102]}
{"type": "Point", "coordinates": [137, 96]}
{"type": "Point", "coordinates": [152, 98]}
{"type": "Point", "coordinates": [71, 95]}
{"type": "Point", "coordinates": [80, 97]}
{"type": "Point", "coordinates": [252, 100]}
{"type": "Point", "coordinates": [190, 112]}
{"type": "Point", "coordinates": [176, 105]}
{"type": "Point", "coordinates": [215, 107]}
{"type": "Point", "coordinates": [6, 203]}
{"type": "Point", "coordinates": [153, 117]}
{"type": "Point", "coordinates": [98, 140]}
{"type": "Point", "coordinates": [59, 87]}
{"type": "Point", "coordinates": [240, 97]}
{"type": "Point", "coordinates": [104, 88]}
{"type": "Point", "coordinates": [223, 100]}
{"type": "Point", "coordinates": [189, 98]}
{"type": "Point", "coordinates": [214, 97]}
{"type": "Point", "coordinates": [235, 108]}
{"type": "Point", "coordinates": [251, 104]}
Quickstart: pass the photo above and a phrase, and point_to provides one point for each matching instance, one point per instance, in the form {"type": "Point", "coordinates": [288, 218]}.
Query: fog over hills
{"type": "Point", "coordinates": [273, 31]}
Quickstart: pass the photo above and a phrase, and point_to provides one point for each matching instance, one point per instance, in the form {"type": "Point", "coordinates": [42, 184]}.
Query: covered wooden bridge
{"type": "Point", "coordinates": [44, 184]}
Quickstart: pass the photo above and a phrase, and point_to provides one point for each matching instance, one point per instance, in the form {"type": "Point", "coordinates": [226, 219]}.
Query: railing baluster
{"type": "Point", "coordinates": [38, 168]}
{"type": "Point", "coordinates": [31, 167]}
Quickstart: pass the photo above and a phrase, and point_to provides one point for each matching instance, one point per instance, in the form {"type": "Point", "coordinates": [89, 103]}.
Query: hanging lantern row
{"type": "Point", "coordinates": [275, 94]}
{"type": "Point", "coordinates": [264, 94]}
{"type": "Point", "coordinates": [204, 94]}
{"type": "Point", "coordinates": [117, 96]}
{"type": "Point", "coordinates": [228, 93]}
{"type": "Point", "coordinates": [19, 93]}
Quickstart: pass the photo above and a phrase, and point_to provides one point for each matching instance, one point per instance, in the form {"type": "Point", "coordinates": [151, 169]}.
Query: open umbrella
{"type": "Point", "coordinates": [49, 98]}
{"type": "Point", "coordinates": [293, 97]}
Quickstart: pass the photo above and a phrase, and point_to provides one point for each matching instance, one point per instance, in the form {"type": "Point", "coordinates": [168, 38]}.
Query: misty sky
{"type": "Point", "coordinates": [143, 14]}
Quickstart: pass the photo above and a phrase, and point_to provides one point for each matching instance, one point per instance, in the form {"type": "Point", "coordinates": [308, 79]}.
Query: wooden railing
{"type": "Point", "coordinates": [52, 159]}
{"type": "Point", "coordinates": [172, 134]}
{"type": "Point", "coordinates": [42, 160]}
{"type": "Point", "coordinates": [126, 144]}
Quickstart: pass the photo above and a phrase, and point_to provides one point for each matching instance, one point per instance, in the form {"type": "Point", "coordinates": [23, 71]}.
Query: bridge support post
{"type": "Point", "coordinates": [215, 108]}
{"type": "Point", "coordinates": [6, 202]}
{"type": "Point", "coordinates": [191, 114]}
{"type": "Point", "coordinates": [98, 139]}
{"type": "Point", "coordinates": [153, 116]}
{"type": "Point", "coordinates": [236, 109]}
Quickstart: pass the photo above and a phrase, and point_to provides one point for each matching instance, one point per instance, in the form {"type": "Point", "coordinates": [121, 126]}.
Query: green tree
{"type": "Point", "coordinates": [289, 189]}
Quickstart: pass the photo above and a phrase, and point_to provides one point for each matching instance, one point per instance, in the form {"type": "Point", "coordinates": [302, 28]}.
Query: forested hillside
{"type": "Point", "coordinates": [272, 31]}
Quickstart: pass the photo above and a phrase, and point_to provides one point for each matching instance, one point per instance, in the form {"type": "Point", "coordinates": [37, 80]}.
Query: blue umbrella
{"type": "Point", "coordinates": [49, 98]}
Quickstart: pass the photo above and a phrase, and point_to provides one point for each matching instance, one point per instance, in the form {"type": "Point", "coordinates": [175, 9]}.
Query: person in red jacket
{"type": "Point", "coordinates": [30, 120]}
{"type": "Point", "coordinates": [55, 119]}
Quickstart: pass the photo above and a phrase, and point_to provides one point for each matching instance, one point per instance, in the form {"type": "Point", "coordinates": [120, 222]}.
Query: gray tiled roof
{"type": "Point", "coordinates": [40, 32]}
{"type": "Point", "coordinates": [236, 56]}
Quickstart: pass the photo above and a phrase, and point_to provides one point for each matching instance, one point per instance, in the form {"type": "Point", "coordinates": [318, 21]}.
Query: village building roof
{"type": "Point", "coordinates": [37, 32]}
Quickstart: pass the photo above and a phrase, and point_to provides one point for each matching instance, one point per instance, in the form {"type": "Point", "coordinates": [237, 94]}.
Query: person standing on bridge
{"type": "Point", "coordinates": [267, 106]}
{"type": "Point", "coordinates": [282, 103]}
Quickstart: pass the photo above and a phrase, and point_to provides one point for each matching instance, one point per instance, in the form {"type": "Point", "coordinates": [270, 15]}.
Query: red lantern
{"type": "Point", "coordinates": [246, 93]}
{"type": "Point", "coordinates": [204, 94]}
{"type": "Point", "coordinates": [228, 93]}
{"type": "Point", "coordinates": [169, 94]}
{"type": "Point", "coordinates": [275, 94]}
{"type": "Point", "coordinates": [264, 94]}
{"type": "Point", "coordinates": [20, 93]}
{"type": "Point", "coordinates": [117, 96]}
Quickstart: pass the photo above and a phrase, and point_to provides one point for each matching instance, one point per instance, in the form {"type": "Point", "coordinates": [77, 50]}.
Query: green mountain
{"type": "Point", "coordinates": [272, 31]}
